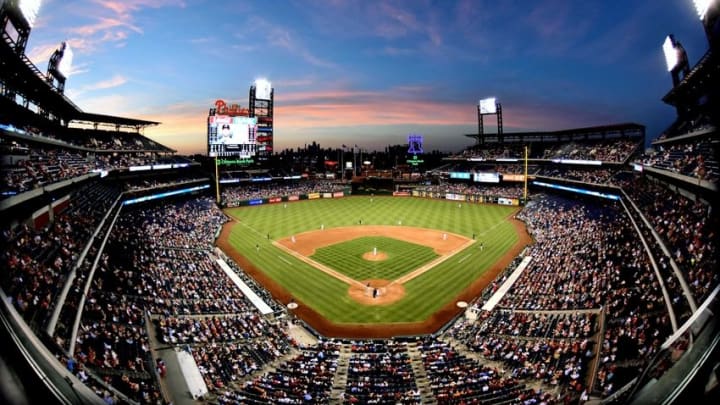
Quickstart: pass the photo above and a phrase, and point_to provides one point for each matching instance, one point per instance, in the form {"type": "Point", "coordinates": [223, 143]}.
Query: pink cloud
{"type": "Point", "coordinates": [127, 6]}
{"type": "Point", "coordinates": [41, 54]}
{"type": "Point", "coordinates": [303, 117]}
{"type": "Point", "coordinates": [104, 24]}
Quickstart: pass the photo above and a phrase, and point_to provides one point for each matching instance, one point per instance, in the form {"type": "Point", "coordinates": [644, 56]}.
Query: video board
{"type": "Point", "coordinates": [232, 136]}
{"type": "Point", "coordinates": [485, 177]}
{"type": "Point", "coordinates": [488, 106]}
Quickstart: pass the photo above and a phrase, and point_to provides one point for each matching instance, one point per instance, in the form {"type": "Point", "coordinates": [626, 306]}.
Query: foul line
{"type": "Point", "coordinates": [284, 259]}
{"type": "Point", "coordinates": [463, 259]}
{"type": "Point", "coordinates": [426, 267]}
{"type": "Point", "coordinates": [351, 281]}
{"type": "Point", "coordinates": [239, 222]}
{"type": "Point", "coordinates": [319, 266]}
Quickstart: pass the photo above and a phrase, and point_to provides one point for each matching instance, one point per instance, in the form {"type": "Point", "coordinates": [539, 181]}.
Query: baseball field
{"type": "Point", "coordinates": [374, 266]}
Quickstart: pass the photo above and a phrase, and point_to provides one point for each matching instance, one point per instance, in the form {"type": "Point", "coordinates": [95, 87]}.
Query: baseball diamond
{"type": "Point", "coordinates": [323, 255]}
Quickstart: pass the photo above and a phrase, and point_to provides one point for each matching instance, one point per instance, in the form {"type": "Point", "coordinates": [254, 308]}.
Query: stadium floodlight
{"type": "Point", "coordinates": [671, 55]}
{"type": "Point", "coordinates": [29, 10]}
{"type": "Point", "coordinates": [488, 106]}
{"type": "Point", "coordinates": [702, 6]}
{"type": "Point", "coordinates": [65, 65]}
{"type": "Point", "coordinates": [263, 88]}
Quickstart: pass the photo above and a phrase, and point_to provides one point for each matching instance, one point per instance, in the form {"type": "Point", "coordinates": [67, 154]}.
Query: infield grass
{"type": "Point", "coordinates": [347, 257]}
{"type": "Point", "coordinates": [425, 294]}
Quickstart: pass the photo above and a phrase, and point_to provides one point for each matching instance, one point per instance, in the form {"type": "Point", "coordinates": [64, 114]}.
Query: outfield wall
{"type": "Point", "coordinates": [471, 198]}
{"type": "Point", "coordinates": [290, 198]}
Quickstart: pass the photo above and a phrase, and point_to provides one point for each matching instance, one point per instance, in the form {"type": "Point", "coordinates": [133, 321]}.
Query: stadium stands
{"type": "Point", "coordinates": [613, 292]}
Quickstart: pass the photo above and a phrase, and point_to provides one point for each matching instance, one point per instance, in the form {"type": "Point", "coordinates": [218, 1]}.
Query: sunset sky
{"type": "Point", "coordinates": [370, 72]}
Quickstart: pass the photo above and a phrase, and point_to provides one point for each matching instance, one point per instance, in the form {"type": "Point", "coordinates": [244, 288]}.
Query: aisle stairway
{"type": "Point", "coordinates": [420, 374]}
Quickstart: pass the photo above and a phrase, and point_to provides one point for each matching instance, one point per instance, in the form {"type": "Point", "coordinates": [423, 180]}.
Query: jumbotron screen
{"type": "Point", "coordinates": [232, 136]}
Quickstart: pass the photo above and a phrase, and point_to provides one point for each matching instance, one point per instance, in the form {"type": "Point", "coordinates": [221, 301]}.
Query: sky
{"type": "Point", "coordinates": [369, 73]}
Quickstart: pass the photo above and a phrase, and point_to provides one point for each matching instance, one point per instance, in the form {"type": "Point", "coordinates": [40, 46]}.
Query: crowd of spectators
{"type": "Point", "coordinates": [112, 141]}
{"type": "Point", "coordinates": [594, 175]}
{"type": "Point", "coordinates": [457, 379]}
{"type": "Point", "coordinates": [222, 364]}
{"type": "Point", "coordinates": [611, 150]}
{"type": "Point", "coordinates": [585, 257]}
{"type": "Point", "coordinates": [537, 324]}
{"type": "Point", "coordinates": [144, 183]}
{"type": "Point", "coordinates": [136, 275]}
{"type": "Point", "coordinates": [178, 330]}
{"type": "Point", "coordinates": [97, 140]}
{"type": "Point", "coordinates": [233, 196]}
{"type": "Point", "coordinates": [191, 225]}
{"type": "Point", "coordinates": [305, 379]}
{"type": "Point", "coordinates": [695, 159]}
{"type": "Point", "coordinates": [160, 267]}
{"type": "Point", "coordinates": [37, 261]}
{"type": "Point", "coordinates": [380, 372]}
{"type": "Point", "coordinates": [27, 167]}
{"type": "Point", "coordinates": [507, 151]}
{"type": "Point", "coordinates": [687, 227]}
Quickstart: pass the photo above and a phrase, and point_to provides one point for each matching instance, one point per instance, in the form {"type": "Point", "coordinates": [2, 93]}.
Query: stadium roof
{"type": "Point", "coordinates": [696, 82]}
{"type": "Point", "coordinates": [627, 128]}
{"type": "Point", "coordinates": [111, 119]}
{"type": "Point", "coordinates": [21, 75]}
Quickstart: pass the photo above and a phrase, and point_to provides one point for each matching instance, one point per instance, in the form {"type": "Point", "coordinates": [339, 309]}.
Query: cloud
{"type": "Point", "coordinates": [280, 37]}
{"type": "Point", "coordinates": [396, 51]}
{"type": "Point", "coordinates": [126, 7]}
{"type": "Point", "coordinates": [183, 126]}
{"type": "Point", "coordinates": [332, 116]}
{"type": "Point", "coordinates": [302, 82]}
{"type": "Point", "coordinates": [113, 82]}
{"type": "Point", "coordinates": [105, 26]}
{"type": "Point", "coordinates": [40, 55]}
{"type": "Point", "coordinates": [403, 25]}
{"type": "Point", "coordinates": [114, 104]}
{"type": "Point", "coordinates": [109, 22]}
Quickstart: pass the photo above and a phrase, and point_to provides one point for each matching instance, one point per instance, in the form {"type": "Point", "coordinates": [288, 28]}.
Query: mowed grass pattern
{"type": "Point", "coordinates": [328, 295]}
{"type": "Point", "coordinates": [347, 258]}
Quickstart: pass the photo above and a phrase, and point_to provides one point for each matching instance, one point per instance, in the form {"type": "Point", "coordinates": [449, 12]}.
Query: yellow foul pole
{"type": "Point", "coordinates": [217, 182]}
{"type": "Point", "coordinates": [526, 176]}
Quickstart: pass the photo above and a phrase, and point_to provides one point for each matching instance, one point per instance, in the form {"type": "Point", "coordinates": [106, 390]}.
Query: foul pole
{"type": "Point", "coordinates": [525, 177]}
{"type": "Point", "coordinates": [217, 182]}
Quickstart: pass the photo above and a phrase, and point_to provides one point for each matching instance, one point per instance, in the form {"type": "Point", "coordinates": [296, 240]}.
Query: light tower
{"type": "Point", "coordinates": [675, 58]}
{"type": "Point", "coordinates": [261, 102]}
{"type": "Point", "coordinates": [489, 106]}
{"type": "Point", "coordinates": [709, 13]}
{"type": "Point", "coordinates": [59, 66]}
{"type": "Point", "coordinates": [17, 18]}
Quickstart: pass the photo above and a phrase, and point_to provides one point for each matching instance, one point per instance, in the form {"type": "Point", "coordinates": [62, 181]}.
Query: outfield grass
{"type": "Point", "coordinates": [328, 295]}
{"type": "Point", "coordinates": [402, 257]}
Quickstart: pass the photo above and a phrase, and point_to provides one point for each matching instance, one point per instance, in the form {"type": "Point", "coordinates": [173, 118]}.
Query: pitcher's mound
{"type": "Point", "coordinates": [378, 257]}
{"type": "Point", "coordinates": [376, 292]}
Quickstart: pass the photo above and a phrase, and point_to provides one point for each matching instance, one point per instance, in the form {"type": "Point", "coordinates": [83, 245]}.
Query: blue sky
{"type": "Point", "coordinates": [370, 72]}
